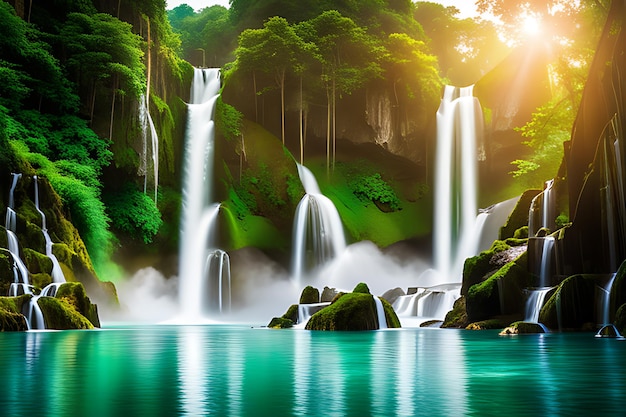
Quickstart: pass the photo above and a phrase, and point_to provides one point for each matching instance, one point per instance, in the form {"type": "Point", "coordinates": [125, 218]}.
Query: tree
{"type": "Point", "coordinates": [349, 58]}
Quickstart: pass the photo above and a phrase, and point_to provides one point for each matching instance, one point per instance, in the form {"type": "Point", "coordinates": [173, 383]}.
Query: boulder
{"type": "Point", "coordinates": [59, 314]}
{"type": "Point", "coordinates": [280, 323]}
{"type": "Point", "coordinates": [11, 318]}
{"type": "Point", "coordinates": [573, 303]}
{"type": "Point", "coordinates": [522, 327]}
{"type": "Point", "coordinates": [620, 319]}
{"type": "Point", "coordinates": [328, 294]}
{"type": "Point", "coordinates": [310, 295]}
{"type": "Point", "coordinates": [74, 294]}
{"type": "Point", "coordinates": [457, 317]}
{"type": "Point", "coordinates": [519, 216]}
{"type": "Point", "coordinates": [486, 325]}
{"type": "Point", "coordinates": [393, 294]}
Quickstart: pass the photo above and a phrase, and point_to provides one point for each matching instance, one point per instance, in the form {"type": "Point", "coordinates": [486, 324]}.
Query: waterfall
{"type": "Point", "coordinates": [305, 311]}
{"type": "Point", "coordinates": [380, 313]}
{"type": "Point", "coordinates": [604, 305]}
{"type": "Point", "coordinates": [458, 225]}
{"type": "Point", "coordinates": [317, 231]}
{"type": "Point", "coordinates": [147, 124]}
{"type": "Point", "coordinates": [459, 123]}
{"type": "Point", "coordinates": [199, 213]}
{"type": "Point", "coordinates": [57, 272]}
{"type": "Point", "coordinates": [534, 303]}
{"type": "Point", "coordinates": [541, 213]}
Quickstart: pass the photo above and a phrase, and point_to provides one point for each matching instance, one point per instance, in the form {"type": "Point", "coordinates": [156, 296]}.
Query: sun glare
{"type": "Point", "coordinates": [531, 25]}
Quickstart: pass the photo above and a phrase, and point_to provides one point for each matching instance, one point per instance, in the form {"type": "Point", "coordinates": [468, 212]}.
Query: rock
{"type": "Point", "coordinates": [519, 216]}
{"type": "Point", "coordinates": [291, 313]}
{"type": "Point", "coordinates": [328, 294]}
{"type": "Point", "coordinates": [310, 295]}
{"type": "Point", "coordinates": [11, 318]}
{"type": "Point", "coordinates": [486, 325]}
{"type": "Point", "coordinates": [280, 323]}
{"type": "Point", "coordinates": [573, 301]}
{"type": "Point", "coordinates": [352, 311]}
{"type": "Point", "coordinates": [457, 317]}
{"type": "Point", "coordinates": [392, 295]}
{"type": "Point", "coordinates": [618, 292]}
{"type": "Point", "coordinates": [361, 288]}
{"type": "Point", "coordinates": [37, 262]}
{"type": "Point", "coordinates": [431, 323]}
{"type": "Point", "coordinates": [522, 327]}
{"type": "Point", "coordinates": [74, 293]}
{"type": "Point", "coordinates": [478, 267]}
{"type": "Point", "coordinates": [59, 314]}
{"type": "Point", "coordinates": [620, 319]}
{"type": "Point", "coordinates": [501, 293]}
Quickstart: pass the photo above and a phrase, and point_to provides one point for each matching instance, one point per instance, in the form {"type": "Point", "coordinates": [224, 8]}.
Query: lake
{"type": "Point", "coordinates": [233, 369]}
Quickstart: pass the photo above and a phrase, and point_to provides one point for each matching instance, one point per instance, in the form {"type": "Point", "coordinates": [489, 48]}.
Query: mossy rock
{"type": "Point", "coordinates": [521, 233]}
{"type": "Point", "coordinates": [280, 323]}
{"type": "Point", "coordinates": [37, 262]}
{"type": "Point", "coordinates": [478, 267]}
{"type": "Point", "coordinates": [620, 319]}
{"type": "Point", "coordinates": [40, 280]}
{"type": "Point", "coordinates": [310, 295]}
{"type": "Point", "coordinates": [74, 293]}
{"type": "Point", "coordinates": [522, 327]}
{"type": "Point", "coordinates": [361, 288]}
{"type": "Point", "coordinates": [501, 293]}
{"type": "Point", "coordinates": [574, 301]}
{"type": "Point", "coordinates": [351, 311]}
{"type": "Point", "coordinates": [291, 313]}
{"type": "Point", "coordinates": [486, 325]}
{"type": "Point", "coordinates": [519, 215]}
{"type": "Point", "coordinates": [61, 314]}
{"type": "Point", "coordinates": [328, 294]}
{"type": "Point", "coordinates": [6, 271]}
{"type": "Point", "coordinates": [393, 322]}
{"type": "Point", "coordinates": [457, 317]}
{"type": "Point", "coordinates": [11, 317]}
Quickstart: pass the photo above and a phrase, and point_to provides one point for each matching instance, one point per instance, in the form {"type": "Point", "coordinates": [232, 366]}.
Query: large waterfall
{"type": "Point", "coordinates": [457, 223]}
{"type": "Point", "coordinates": [318, 232]}
{"type": "Point", "coordinates": [204, 273]}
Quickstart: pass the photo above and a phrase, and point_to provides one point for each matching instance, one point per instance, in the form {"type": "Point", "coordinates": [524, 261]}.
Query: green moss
{"type": "Point", "coordinates": [361, 288]}
{"type": "Point", "coordinates": [6, 270]}
{"type": "Point", "coordinates": [484, 299]}
{"type": "Point", "coordinates": [61, 314]}
{"type": "Point", "coordinates": [40, 280]}
{"type": "Point", "coordinates": [519, 215]}
{"type": "Point", "coordinates": [11, 318]}
{"type": "Point", "coordinates": [573, 302]}
{"type": "Point", "coordinates": [353, 311]}
{"type": "Point", "coordinates": [476, 268]}
{"type": "Point", "coordinates": [521, 233]}
{"type": "Point", "coordinates": [457, 317]}
{"type": "Point", "coordinates": [74, 293]}
{"type": "Point", "coordinates": [280, 323]}
{"type": "Point", "coordinates": [292, 313]}
{"type": "Point", "coordinates": [393, 322]}
{"type": "Point", "coordinates": [309, 295]}
{"type": "Point", "coordinates": [37, 262]}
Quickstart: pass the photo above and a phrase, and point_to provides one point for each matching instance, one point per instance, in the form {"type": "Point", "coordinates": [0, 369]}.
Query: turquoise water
{"type": "Point", "coordinates": [238, 370]}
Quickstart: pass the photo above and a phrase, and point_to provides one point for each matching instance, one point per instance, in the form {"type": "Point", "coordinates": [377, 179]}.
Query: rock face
{"type": "Point", "coordinates": [573, 302]}
{"type": "Point", "coordinates": [310, 295]}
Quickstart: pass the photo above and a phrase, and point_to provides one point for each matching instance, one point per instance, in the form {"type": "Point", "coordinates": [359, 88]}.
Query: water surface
{"type": "Point", "coordinates": [238, 370]}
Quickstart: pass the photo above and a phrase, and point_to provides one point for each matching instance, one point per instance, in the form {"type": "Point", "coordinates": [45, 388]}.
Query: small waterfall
{"type": "Point", "coordinates": [425, 304]}
{"type": "Point", "coordinates": [152, 152]}
{"type": "Point", "coordinates": [217, 270]}
{"type": "Point", "coordinates": [199, 213]}
{"type": "Point", "coordinates": [57, 272]}
{"type": "Point", "coordinates": [305, 311]}
{"type": "Point", "coordinates": [534, 303]}
{"type": "Point", "coordinates": [317, 231]}
{"type": "Point", "coordinates": [604, 306]}
{"type": "Point", "coordinates": [380, 313]}
{"type": "Point", "coordinates": [20, 272]}
{"type": "Point", "coordinates": [542, 210]}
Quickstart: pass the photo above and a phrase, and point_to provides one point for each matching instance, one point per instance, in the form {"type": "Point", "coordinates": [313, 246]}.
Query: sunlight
{"type": "Point", "coordinates": [531, 25]}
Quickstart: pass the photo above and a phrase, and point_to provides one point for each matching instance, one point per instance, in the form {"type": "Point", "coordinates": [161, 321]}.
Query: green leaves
{"type": "Point", "coordinates": [134, 212]}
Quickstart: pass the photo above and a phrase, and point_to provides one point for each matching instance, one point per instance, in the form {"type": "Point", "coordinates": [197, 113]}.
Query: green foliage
{"type": "Point", "coordinates": [83, 201]}
{"type": "Point", "coordinates": [374, 188]}
{"type": "Point", "coordinates": [310, 295]}
{"type": "Point", "coordinates": [134, 212]}
{"type": "Point", "coordinates": [228, 120]}
{"type": "Point", "coordinates": [549, 127]}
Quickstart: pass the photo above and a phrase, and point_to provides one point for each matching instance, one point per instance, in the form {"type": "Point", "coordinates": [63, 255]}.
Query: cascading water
{"type": "Point", "coordinates": [534, 303]}
{"type": "Point", "coordinates": [457, 223]}
{"type": "Point", "coordinates": [197, 275]}
{"type": "Point", "coordinates": [20, 285]}
{"type": "Point", "coordinates": [317, 231]}
{"type": "Point", "coordinates": [380, 313]}
{"type": "Point", "coordinates": [541, 213]}
{"type": "Point", "coordinates": [605, 300]}
{"type": "Point", "coordinates": [57, 272]}
{"type": "Point", "coordinates": [147, 124]}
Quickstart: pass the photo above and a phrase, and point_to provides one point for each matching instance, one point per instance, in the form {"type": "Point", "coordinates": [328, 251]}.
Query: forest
{"type": "Point", "coordinates": [321, 76]}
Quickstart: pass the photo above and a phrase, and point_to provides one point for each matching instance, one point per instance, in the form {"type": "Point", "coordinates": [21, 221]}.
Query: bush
{"type": "Point", "coordinates": [135, 213]}
{"type": "Point", "coordinates": [374, 188]}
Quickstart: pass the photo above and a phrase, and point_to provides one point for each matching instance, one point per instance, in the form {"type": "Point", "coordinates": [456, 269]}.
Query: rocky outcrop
{"type": "Point", "coordinates": [522, 327]}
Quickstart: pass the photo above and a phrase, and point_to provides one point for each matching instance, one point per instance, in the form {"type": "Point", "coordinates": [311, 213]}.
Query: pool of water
{"type": "Point", "coordinates": [234, 370]}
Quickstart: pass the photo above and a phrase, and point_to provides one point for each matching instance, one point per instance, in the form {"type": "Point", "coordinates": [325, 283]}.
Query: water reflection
{"type": "Point", "coordinates": [236, 370]}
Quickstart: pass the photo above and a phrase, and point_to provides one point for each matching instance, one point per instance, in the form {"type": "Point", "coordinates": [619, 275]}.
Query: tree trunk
{"type": "Point", "coordinates": [256, 106]}
{"type": "Point", "coordinates": [282, 105]}
{"type": "Point", "coordinates": [30, 8]}
{"type": "Point", "coordinates": [113, 107]}
{"type": "Point", "coordinates": [334, 123]}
